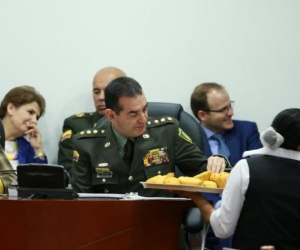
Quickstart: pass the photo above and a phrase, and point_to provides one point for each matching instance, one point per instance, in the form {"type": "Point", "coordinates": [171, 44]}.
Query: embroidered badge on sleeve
{"type": "Point", "coordinates": [75, 156]}
{"type": "Point", "coordinates": [184, 136]}
{"type": "Point", "coordinates": [66, 135]}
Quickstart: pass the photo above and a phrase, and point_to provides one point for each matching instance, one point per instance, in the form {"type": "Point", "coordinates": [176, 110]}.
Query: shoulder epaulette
{"type": "Point", "coordinates": [91, 132]}
{"type": "Point", "coordinates": [82, 115]}
{"type": "Point", "coordinates": [158, 121]}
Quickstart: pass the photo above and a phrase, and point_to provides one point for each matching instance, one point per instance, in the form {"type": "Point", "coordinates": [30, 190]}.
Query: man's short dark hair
{"type": "Point", "coordinates": [119, 87]}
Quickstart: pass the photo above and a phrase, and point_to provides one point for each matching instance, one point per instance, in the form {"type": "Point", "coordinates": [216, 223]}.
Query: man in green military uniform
{"type": "Point", "coordinates": [81, 121]}
{"type": "Point", "coordinates": [101, 162]}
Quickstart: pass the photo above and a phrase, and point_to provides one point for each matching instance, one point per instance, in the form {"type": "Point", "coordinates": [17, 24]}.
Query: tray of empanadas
{"type": "Point", "coordinates": [206, 182]}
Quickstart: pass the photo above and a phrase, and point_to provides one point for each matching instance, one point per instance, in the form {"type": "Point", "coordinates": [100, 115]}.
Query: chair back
{"type": "Point", "coordinates": [186, 121]}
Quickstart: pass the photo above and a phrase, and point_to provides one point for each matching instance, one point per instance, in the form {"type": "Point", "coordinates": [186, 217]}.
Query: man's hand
{"type": "Point", "coordinates": [216, 164]}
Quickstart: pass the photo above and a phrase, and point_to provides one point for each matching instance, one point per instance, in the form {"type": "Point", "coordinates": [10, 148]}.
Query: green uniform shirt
{"type": "Point", "coordinates": [99, 168]}
{"type": "Point", "coordinates": [73, 125]}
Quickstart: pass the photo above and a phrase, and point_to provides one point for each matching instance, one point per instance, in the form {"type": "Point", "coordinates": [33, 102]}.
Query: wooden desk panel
{"type": "Point", "coordinates": [90, 224]}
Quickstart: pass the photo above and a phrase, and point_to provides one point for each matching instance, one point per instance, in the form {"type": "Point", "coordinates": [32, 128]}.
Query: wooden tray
{"type": "Point", "coordinates": [183, 187]}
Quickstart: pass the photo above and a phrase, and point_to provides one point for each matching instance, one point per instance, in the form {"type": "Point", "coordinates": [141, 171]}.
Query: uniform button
{"type": "Point", "coordinates": [130, 178]}
{"type": "Point", "coordinates": [103, 180]}
{"type": "Point", "coordinates": [159, 172]}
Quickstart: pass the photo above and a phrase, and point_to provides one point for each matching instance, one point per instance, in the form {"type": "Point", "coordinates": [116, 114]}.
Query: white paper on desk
{"type": "Point", "coordinates": [130, 196]}
{"type": "Point", "coordinates": [137, 197]}
{"type": "Point", "coordinates": [12, 191]}
{"type": "Point", "coordinates": [100, 195]}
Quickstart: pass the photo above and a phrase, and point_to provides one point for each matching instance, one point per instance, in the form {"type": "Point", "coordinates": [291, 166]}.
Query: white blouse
{"type": "Point", "coordinates": [12, 153]}
{"type": "Point", "coordinates": [225, 218]}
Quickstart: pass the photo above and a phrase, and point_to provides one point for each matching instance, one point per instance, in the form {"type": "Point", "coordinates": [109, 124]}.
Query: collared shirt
{"type": "Point", "coordinates": [214, 144]}
{"type": "Point", "coordinates": [224, 219]}
{"type": "Point", "coordinates": [121, 141]}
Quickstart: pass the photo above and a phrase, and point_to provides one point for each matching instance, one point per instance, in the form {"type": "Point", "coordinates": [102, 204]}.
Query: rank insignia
{"type": "Point", "coordinates": [104, 172]}
{"type": "Point", "coordinates": [184, 136]}
{"type": "Point", "coordinates": [66, 135]}
{"type": "Point", "coordinates": [80, 114]}
{"type": "Point", "coordinates": [102, 165]}
{"type": "Point", "coordinates": [156, 157]}
{"type": "Point", "coordinates": [75, 156]}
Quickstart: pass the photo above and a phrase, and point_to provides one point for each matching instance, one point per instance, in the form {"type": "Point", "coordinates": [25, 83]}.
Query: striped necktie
{"type": "Point", "coordinates": [223, 148]}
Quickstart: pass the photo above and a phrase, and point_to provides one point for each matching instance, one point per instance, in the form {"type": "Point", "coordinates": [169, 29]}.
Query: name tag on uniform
{"type": "Point", "coordinates": [104, 172]}
{"type": "Point", "coordinates": [156, 156]}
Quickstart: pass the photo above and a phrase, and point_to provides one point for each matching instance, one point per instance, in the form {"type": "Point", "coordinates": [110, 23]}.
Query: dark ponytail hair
{"type": "Point", "coordinates": [287, 123]}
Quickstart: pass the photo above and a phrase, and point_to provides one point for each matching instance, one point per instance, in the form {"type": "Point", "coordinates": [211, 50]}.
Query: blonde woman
{"type": "Point", "coordinates": [20, 111]}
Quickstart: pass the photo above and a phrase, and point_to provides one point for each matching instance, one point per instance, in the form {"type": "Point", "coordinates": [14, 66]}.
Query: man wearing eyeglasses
{"type": "Point", "coordinates": [211, 105]}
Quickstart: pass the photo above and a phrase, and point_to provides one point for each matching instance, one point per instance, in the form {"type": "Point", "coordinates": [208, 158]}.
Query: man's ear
{"type": "Point", "coordinates": [201, 115]}
{"type": "Point", "coordinates": [110, 114]}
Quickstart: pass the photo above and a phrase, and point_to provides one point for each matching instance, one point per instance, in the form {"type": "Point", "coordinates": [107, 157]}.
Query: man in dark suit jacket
{"type": "Point", "coordinates": [81, 121]}
{"type": "Point", "coordinates": [212, 106]}
{"type": "Point", "coordinates": [242, 137]}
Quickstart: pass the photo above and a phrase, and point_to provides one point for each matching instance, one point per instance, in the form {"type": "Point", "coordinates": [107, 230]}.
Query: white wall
{"type": "Point", "coordinates": [169, 46]}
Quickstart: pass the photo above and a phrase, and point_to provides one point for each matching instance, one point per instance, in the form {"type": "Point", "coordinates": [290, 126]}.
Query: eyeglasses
{"type": "Point", "coordinates": [222, 110]}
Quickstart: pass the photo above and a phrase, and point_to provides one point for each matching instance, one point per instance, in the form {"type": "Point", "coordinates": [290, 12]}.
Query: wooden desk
{"type": "Point", "coordinates": [90, 224]}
